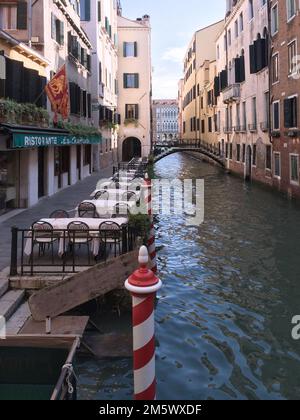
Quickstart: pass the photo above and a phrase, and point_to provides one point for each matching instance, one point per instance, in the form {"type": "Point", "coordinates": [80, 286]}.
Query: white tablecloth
{"type": "Point", "coordinates": [108, 206]}
{"type": "Point", "coordinates": [116, 195]}
{"type": "Point", "coordinates": [130, 186]}
{"type": "Point", "coordinates": [62, 224]}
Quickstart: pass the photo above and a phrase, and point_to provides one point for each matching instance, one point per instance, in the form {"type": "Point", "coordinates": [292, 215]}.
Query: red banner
{"type": "Point", "coordinates": [58, 93]}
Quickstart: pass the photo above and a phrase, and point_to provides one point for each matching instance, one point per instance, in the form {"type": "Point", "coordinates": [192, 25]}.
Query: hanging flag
{"type": "Point", "coordinates": [58, 93]}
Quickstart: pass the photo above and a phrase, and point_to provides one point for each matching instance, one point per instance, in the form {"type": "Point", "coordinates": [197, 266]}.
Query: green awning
{"type": "Point", "coordinates": [27, 138]}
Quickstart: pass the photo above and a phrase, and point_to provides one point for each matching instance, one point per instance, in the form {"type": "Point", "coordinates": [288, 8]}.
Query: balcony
{"type": "Point", "coordinates": [232, 94]}
{"type": "Point", "coordinates": [227, 130]}
{"type": "Point", "coordinates": [252, 128]}
{"type": "Point", "coordinates": [265, 126]}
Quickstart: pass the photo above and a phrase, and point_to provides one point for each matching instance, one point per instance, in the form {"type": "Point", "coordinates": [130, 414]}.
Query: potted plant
{"type": "Point", "coordinates": [43, 117]}
{"type": "Point", "coordinates": [129, 121]}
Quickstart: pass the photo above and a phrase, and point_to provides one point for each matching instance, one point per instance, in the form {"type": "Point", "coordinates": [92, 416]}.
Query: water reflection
{"type": "Point", "coordinates": [230, 292]}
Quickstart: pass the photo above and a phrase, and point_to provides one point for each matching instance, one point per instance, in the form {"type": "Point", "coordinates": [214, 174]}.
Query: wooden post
{"type": "Point", "coordinates": [14, 252]}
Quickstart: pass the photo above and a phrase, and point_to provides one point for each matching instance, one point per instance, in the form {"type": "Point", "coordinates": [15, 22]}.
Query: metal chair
{"type": "Point", "coordinates": [111, 233]}
{"type": "Point", "coordinates": [101, 195]}
{"type": "Point", "coordinates": [59, 214]}
{"type": "Point", "coordinates": [79, 234]}
{"type": "Point", "coordinates": [121, 209]}
{"type": "Point", "coordinates": [43, 235]}
{"type": "Point", "coordinates": [87, 209]}
{"type": "Point", "coordinates": [129, 195]}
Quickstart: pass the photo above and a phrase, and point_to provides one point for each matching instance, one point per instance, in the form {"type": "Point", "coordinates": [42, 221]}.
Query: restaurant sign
{"type": "Point", "coordinates": [27, 140]}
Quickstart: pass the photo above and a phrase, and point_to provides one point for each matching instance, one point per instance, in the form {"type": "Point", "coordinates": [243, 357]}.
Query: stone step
{"type": "Point", "coordinates": [3, 286]}
{"type": "Point", "coordinates": [18, 319]}
{"type": "Point", "coordinates": [10, 302]}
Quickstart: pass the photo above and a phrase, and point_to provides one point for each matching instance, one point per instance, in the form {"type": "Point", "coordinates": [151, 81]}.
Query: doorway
{"type": "Point", "coordinates": [132, 148]}
{"type": "Point", "coordinates": [249, 164]}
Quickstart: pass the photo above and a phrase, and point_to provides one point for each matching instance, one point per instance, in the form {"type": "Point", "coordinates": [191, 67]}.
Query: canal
{"type": "Point", "coordinates": [231, 289]}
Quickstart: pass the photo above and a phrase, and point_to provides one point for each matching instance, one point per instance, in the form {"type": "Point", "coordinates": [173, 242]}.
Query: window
{"type": "Point", "coordinates": [276, 115]}
{"type": "Point", "coordinates": [236, 28]}
{"type": "Point", "coordinates": [85, 10]}
{"type": "Point", "coordinates": [274, 19]}
{"type": "Point", "coordinates": [131, 80]}
{"type": "Point", "coordinates": [292, 58]}
{"type": "Point", "coordinates": [209, 124]}
{"type": "Point", "coordinates": [13, 16]}
{"type": "Point", "coordinates": [238, 152]}
{"type": "Point", "coordinates": [254, 155]}
{"type": "Point", "coordinates": [277, 165]}
{"type": "Point", "coordinates": [275, 68]}
{"type": "Point", "coordinates": [294, 165]}
{"type": "Point", "coordinates": [132, 111]}
{"type": "Point", "coordinates": [290, 112]}
{"type": "Point", "coordinates": [241, 19]}
{"type": "Point", "coordinates": [254, 113]}
{"type": "Point", "coordinates": [87, 154]}
{"type": "Point", "coordinates": [290, 9]}
{"type": "Point", "coordinates": [244, 153]}
{"type": "Point", "coordinates": [251, 10]}
{"type": "Point", "coordinates": [57, 30]}
{"type": "Point", "coordinates": [230, 151]}
{"type": "Point", "coordinates": [130, 49]}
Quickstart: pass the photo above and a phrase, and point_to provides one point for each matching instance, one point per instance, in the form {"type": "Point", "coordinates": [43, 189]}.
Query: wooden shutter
{"type": "Point", "coordinates": [258, 54]}
{"type": "Point", "coordinates": [22, 15]}
{"type": "Point", "coordinates": [89, 105]}
{"type": "Point", "coordinates": [99, 11]}
{"type": "Point", "coordinates": [126, 111]}
{"type": "Point", "coordinates": [216, 86]}
{"type": "Point", "coordinates": [84, 103]}
{"type": "Point", "coordinates": [252, 55]}
{"type": "Point", "coordinates": [237, 70]}
{"type": "Point", "coordinates": [287, 113]}
{"type": "Point", "coordinates": [125, 80]}
{"type": "Point", "coordinates": [135, 49]}
{"type": "Point", "coordinates": [242, 68]}
{"type": "Point", "coordinates": [137, 112]}
{"type": "Point", "coordinates": [124, 49]}
{"type": "Point", "coordinates": [136, 80]}
{"type": "Point", "coordinates": [87, 16]}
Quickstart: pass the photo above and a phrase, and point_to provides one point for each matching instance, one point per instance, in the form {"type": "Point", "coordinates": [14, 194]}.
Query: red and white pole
{"type": "Point", "coordinates": [143, 285]}
{"type": "Point", "coordinates": [151, 239]}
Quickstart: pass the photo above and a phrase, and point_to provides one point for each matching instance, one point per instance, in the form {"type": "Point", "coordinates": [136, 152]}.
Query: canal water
{"type": "Point", "coordinates": [231, 289]}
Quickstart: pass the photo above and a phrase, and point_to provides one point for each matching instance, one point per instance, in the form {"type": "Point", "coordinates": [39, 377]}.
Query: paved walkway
{"type": "Point", "coordinates": [66, 199]}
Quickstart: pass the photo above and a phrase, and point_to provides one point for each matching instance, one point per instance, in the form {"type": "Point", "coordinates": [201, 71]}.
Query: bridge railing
{"type": "Point", "coordinates": [159, 148]}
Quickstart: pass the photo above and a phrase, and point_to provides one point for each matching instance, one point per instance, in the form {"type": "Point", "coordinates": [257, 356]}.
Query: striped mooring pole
{"type": "Point", "coordinates": [151, 239]}
{"type": "Point", "coordinates": [143, 285]}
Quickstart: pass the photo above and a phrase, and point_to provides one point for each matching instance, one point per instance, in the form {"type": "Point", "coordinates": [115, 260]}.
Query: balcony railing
{"type": "Point", "coordinates": [232, 93]}
{"type": "Point", "coordinates": [252, 128]}
{"type": "Point", "coordinates": [227, 130]}
{"type": "Point", "coordinates": [265, 126]}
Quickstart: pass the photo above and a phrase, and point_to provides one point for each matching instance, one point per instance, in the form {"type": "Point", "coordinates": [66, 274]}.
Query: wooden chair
{"type": "Point", "coordinates": [87, 210]}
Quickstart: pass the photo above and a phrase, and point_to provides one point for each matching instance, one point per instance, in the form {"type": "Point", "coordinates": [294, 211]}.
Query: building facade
{"type": "Point", "coordinates": [165, 120]}
{"type": "Point", "coordinates": [135, 87]}
{"type": "Point", "coordinates": [285, 88]}
{"type": "Point", "coordinates": [52, 29]}
{"type": "Point", "coordinates": [180, 108]}
{"type": "Point", "coordinates": [99, 20]}
{"type": "Point", "coordinates": [242, 89]}
{"type": "Point", "coordinates": [200, 51]}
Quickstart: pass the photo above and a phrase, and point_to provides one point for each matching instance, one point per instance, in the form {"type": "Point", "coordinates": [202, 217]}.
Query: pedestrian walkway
{"type": "Point", "coordinates": [66, 199]}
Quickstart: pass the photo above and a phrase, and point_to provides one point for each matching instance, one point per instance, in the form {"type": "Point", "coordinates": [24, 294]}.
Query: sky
{"type": "Point", "coordinates": [173, 25]}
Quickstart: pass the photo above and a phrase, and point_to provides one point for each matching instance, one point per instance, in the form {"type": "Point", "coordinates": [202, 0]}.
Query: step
{"type": "Point", "coordinates": [10, 302]}
{"type": "Point", "coordinates": [3, 286]}
{"type": "Point", "coordinates": [18, 319]}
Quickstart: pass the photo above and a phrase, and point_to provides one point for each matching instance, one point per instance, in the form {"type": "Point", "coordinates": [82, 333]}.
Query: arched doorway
{"type": "Point", "coordinates": [131, 148]}
{"type": "Point", "coordinates": [249, 164]}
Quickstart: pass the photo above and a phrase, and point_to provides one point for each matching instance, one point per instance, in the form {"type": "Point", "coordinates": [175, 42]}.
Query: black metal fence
{"type": "Point", "coordinates": [63, 251]}
{"type": "Point", "coordinates": [193, 143]}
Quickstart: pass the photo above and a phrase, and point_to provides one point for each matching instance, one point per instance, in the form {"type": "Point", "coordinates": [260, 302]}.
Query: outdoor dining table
{"type": "Point", "coordinates": [60, 227]}
{"type": "Point", "coordinates": [108, 206]}
{"type": "Point", "coordinates": [115, 194]}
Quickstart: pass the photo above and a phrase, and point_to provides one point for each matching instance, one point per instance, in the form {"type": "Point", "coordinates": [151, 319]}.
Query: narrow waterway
{"type": "Point", "coordinates": [231, 289]}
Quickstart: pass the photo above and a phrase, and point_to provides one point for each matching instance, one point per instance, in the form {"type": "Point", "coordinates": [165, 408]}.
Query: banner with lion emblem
{"type": "Point", "coordinates": [58, 93]}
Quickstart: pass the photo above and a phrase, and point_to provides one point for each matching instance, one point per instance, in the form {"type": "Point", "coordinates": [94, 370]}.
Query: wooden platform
{"type": "Point", "coordinates": [60, 326]}
{"type": "Point", "coordinates": [82, 287]}
{"type": "Point", "coordinates": [110, 345]}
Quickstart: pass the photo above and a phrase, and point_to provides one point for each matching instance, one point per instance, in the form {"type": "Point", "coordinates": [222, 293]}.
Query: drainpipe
{"type": "Point", "coordinates": [30, 22]}
{"type": "Point", "coordinates": [270, 53]}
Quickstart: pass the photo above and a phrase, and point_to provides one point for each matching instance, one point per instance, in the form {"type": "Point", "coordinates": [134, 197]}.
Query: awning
{"type": "Point", "coordinates": [30, 137]}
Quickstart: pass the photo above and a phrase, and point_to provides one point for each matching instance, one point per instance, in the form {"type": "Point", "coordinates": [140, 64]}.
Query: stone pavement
{"type": "Point", "coordinates": [66, 199]}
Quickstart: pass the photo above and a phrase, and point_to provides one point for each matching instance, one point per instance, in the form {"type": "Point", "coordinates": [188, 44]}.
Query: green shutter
{"type": "Point", "coordinates": [22, 15]}
{"type": "Point", "coordinates": [99, 11]}
{"type": "Point", "coordinates": [125, 80]}
{"type": "Point", "coordinates": [124, 49]}
{"type": "Point", "coordinates": [136, 80]}
{"type": "Point", "coordinates": [135, 49]}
